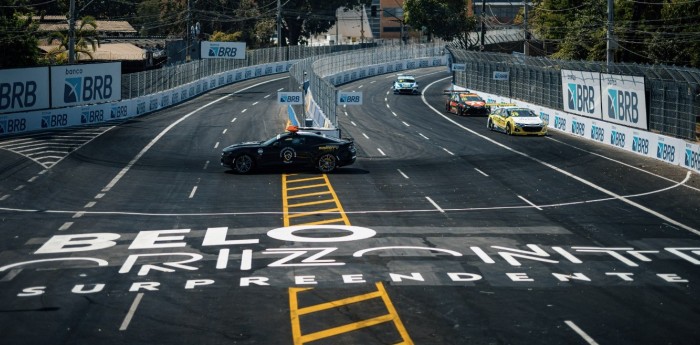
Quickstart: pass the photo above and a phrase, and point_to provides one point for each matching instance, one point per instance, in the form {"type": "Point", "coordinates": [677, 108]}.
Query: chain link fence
{"type": "Point", "coordinates": [673, 93]}
{"type": "Point", "coordinates": [157, 80]}
{"type": "Point", "coordinates": [318, 69]}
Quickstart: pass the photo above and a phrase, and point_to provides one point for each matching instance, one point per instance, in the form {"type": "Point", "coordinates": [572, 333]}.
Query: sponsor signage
{"type": "Point", "coordinates": [624, 101]}
{"type": "Point", "coordinates": [223, 50]}
{"type": "Point", "coordinates": [289, 97]}
{"type": "Point", "coordinates": [24, 89]}
{"type": "Point", "coordinates": [692, 157]}
{"type": "Point", "coordinates": [85, 84]}
{"type": "Point", "coordinates": [501, 75]}
{"type": "Point", "coordinates": [459, 67]}
{"type": "Point", "coordinates": [581, 93]}
{"type": "Point", "coordinates": [349, 98]}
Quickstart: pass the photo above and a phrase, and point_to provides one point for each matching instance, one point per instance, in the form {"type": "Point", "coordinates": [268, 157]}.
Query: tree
{"type": "Point", "coordinates": [17, 35]}
{"type": "Point", "coordinates": [304, 18]}
{"type": "Point", "coordinates": [86, 41]}
{"type": "Point", "coordinates": [447, 19]}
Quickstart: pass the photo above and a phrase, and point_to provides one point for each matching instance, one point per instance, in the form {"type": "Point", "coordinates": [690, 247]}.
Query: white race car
{"type": "Point", "coordinates": [405, 84]}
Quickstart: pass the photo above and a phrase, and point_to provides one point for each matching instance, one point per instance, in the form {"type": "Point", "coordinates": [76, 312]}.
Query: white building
{"type": "Point", "coordinates": [352, 27]}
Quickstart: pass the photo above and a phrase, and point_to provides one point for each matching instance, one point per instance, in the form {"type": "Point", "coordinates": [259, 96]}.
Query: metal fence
{"type": "Point", "coordinates": [317, 69]}
{"type": "Point", "coordinates": [673, 93]}
{"type": "Point", "coordinates": [157, 80]}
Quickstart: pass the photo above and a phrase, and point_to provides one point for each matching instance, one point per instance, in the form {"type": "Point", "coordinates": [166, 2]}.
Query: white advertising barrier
{"type": "Point", "coordinates": [24, 89]}
{"type": "Point", "coordinates": [624, 100]}
{"type": "Point", "coordinates": [74, 85]}
{"type": "Point", "coordinates": [581, 93]}
{"type": "Point", "coordinates": [349, 98]}
{"type": "Point", "coordinates": [670, 150]}
{"type": "Point", "coordinates": [284, 98]}
{"type": "Point", "coordinates": [223, 50]}
{"type": "Point", "coordinates": [691, 158]}
{"type": "Point", "coordinates": [389, 67]}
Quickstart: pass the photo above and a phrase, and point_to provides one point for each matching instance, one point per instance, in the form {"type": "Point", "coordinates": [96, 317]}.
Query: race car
{"type": "Point", "coordinates": [293, 148]}
{"type": "Point", "coordinates": [516, 121]}
{"type": "Point", "coordinates": [405, 84]}
{"type": "Point", "coordinates": [465, 103]}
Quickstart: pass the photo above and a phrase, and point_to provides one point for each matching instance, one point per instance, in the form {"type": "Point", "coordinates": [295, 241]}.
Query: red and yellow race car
{"type": "Point", "coordinates": [466, 103]}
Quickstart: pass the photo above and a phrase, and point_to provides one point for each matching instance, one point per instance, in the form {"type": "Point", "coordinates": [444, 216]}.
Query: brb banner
{"type": "Point", "coordinates": [24, 89]}
{"type": "Point", "coordinates": [624, 101]}
{"type": "Point", "coordinates": [581, 93]}
{"type": "Point", "coordinates": [223, 50]}
{"type": "Point", "coordinates": [86, 84]}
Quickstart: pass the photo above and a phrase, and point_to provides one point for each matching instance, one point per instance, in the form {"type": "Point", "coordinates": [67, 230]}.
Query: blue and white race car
{"type": "Point", "coordinates": [405, 84]}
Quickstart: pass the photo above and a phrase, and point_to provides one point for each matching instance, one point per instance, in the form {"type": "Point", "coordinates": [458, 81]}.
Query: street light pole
{"type": "Point", "coordinates": [71, 33]}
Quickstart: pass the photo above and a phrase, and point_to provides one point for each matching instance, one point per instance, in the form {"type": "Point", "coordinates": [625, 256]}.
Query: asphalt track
{"type": "Point", "coordinates": [442, 232]}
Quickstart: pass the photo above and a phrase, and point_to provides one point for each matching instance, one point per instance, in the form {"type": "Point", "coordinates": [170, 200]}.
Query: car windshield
{"type": "Point", "coordinates": [470, 98]}
{"type": "Point", "coordinates": [406, 80]}
{"type": "Point", "coordinates": [522, 113]}
{"type": "Point", "coordinates": [270, 141]}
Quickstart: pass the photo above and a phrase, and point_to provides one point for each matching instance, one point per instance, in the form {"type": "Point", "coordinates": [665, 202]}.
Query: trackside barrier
{"type": "Point", "coordinates": [99, 113]}
{"type": "Point", "coordinates": [661, 147]}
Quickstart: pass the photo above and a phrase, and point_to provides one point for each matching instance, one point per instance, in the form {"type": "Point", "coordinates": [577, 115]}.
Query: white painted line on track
{"type": "Point", "coordinates": [99, 195]}
{"type": "Point", "coordinates": [206, 164]}
{"type": "Point", "coordinates": [402, 174]}
{"type": "Point", "coordinates": [359, 87]}
{"type": "Point", "coordinates": [33, 179]}
{"type": "Point", "coordinates": [194, 190]}
{"type": "Point", "coordinates": [424, 137]}
{"type": "Point", "coordinates": [346, 113]}
{"type": "Point", "coordinates": [280, 89]}
{"type": "Point", "coordinates": [19, 187]}
{"type": "Point", "coordinates": [224, 132]}
{"type": "Point", "coordinates": [11, 275]}
{"type": "Point", "coordinates": [559, 170]}
{"type": "Point", "coordinates": [267, 96]}
{"type": "Point", "coordinates": [373, 81]}
{"type": "Point", "coordinates": [405, 124]}
{"type": "Point", "coordinates": [43, 172]}
{"type": "Point", "coordinates": [246, 260]}
{"type": "Point", "coordinates": [580, 332]}
{"type": "Point", "coordinates": [90, 204]}
{"type": "Point", "coordinates": [132, 310]}
{"type": "Point", "coordinates": [78, 214]}
{"type": "Point", "coordinates": [448, 151]}
{"type": "Point", "coordinates": [216, 145]}
{"type": "Point", "coordinates": [382, 152]}
{"type": "Point", "coordinates": [435, 204]}
{"type": "Point", "coordinates": [65, 226]}
{"type": "Point", "coordinates": [244, 110]}
{"type": "Point", "coordinates": [255, 103]}
{"type": "Point", "coordinates": [222, 260]}
{"type": "Point", "coordinates": [138, 156]}
{"type": "Point", "coordinates": [529, 202]}
{"type": "Point", "coordinates": [365, 135]}
{"type": "Point", "coordinates": [353, 123]}
{"type": "Point", "coordinates": [481, 172]}
{"type": "Point", "coordinates": [234, 120]}
{"type": "Point", "coordinates": [388, 106]}
{"type": "Point", "coordinates": [4, 197]}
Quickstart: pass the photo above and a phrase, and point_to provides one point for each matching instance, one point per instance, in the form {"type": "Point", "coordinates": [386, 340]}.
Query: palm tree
{"type": "Point", "coordinates": [86, 37]}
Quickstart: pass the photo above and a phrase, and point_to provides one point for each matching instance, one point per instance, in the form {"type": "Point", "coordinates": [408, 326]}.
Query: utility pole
{"type": "Point", "coordinates": [279, 24]}
{"type": "Point", "coordinates": [526, 47]}
{"type": "Point", "coordinates": [362, 25]}
{"type": "Point", "coordinates": [483, 24]}
{"type": "Point", "coordinates": [71, 33]}
{"type": "Point", "coordinates": [187, 31]}
{"type": "Point", "coordinates": [609, 38]}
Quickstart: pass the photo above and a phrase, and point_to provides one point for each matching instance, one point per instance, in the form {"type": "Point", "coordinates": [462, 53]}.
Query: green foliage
{"type": "Point", "coordinates": [17, 35]}
{"type": "Point", "coordinates": [86, 41]}
{"type": "Point", "coordinates": [446, 19]}
{"type": "Point", "coordinates": [219, 36]}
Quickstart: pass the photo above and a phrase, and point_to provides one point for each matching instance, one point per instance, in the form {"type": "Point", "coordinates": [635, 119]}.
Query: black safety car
{"type": "Point", "coordinates": [294, 148]}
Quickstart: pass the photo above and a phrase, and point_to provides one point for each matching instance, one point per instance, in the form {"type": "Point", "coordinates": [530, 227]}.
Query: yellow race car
{"type": "Point", "coordinates": [516, 121]}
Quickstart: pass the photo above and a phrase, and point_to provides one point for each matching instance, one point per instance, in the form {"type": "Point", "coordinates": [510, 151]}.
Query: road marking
{"type": "Point", "coordinates": [365, 135]}
{"type": "Point", "coordinates": [280, 89]}
{"type": "Point", "coordinates": [4, 197]}
{"type": "Point", "coordinates": [19, 187]}
{"type": "Point", "coordinates": [388, 106]}
{"type": "Point", "coordinates": [448, 151]}
{"type": "Point", "coordinates": [79, 214]}
{"type": "Point", "coordinates": [353, 123]}
{"type": "Point", "coordinates": [481, 172]}
{"type": "Point", "coordinates": [382, 152]}
{"type": "Point", "coordinates": [559, 170]}
{"type": "Point", "coordinates": [65, 226]}
{"type": "Point", "coordinates": [206, 164]}
{"type": "Point", "coordinates": [132, 310]}
{"type": "Point", "coordinates": [255, 103]}
{"type": "Point", "coordinates": [393, 113]}
{"type": "Point", "coordinates": [359, 87]}
{"type": "Point", "coordinates": [244, 110]}
{"type": "Point", "coordinates": [194, 190]}
{"type": "Point", "coordinates": [90, 204]}
{"type": "Point", "coordinates": [424, 137]}
{"type": "Point", "coordinates": [224, 132]}
{"type": "Point", "coordinates": [33, 179]}
{"type": "Point", "coordinates": [435, 204]}
{"type": "Point", "coordinates": [386, 99]}
{"type": "Point", "coordinates": [373, 81]}
{"type": "Point", "coordinates": [234, 120]}
{"type": "Point", "coordinates": [402, 174]}
{"type": "Point", "coordinates": [216, 145]}
{"type": "Point", "coordinates": [267, 96]}
{"type": "Point", "coordinates": [529, 202]}
{"type": "Point", "coordinates": [580, 332]}
{"type": "Point", "coordinates": [346, 113]}
{"type": "Point", "coordinates": [99, 195]}
{"type": "Point", "coordinates": [405, 124]}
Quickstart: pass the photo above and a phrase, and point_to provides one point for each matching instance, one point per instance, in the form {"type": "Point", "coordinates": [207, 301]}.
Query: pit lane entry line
{"type": "Point", "coordinates": [559, 170]}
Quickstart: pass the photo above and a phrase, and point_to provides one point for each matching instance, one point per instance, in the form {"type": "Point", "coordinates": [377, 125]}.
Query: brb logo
{"type": "Point", "coordinates": [544, 116]}
{"type": "Point", "coordinates": [560, 123]}
{"type": "Point", "coordinates": [578, 128]}
{"type": "Point", "coordinates": [86, 88]}
{"type": "Point", "coordinates": [17, 95]}
{"type": "Point", "coordinates": [12, 125]}
{"type": "Point", "coordinates": [215, 50]}
{"type": "Point", "coordinates": [623, 105]}
{"type": "Point", "coordinates": [581, 98]}
{"type": "Point", "coordinates": [617, 139]}
{"type": "Point", "coordinates": [597, 133]}
{"type": "Point", "coordinates": [666, 152]}
{"type": "Point", "coordinates": [692, 159]}
{"type": "Point", "coordinates": [640, 145]}
{"type": "Point", "coordinates": [55, 120]}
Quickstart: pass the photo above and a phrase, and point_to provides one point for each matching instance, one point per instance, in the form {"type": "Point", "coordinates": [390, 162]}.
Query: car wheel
{"type": "Point", "coordinates": [489, 124]}
{"type": "Point", "coordinates": [509, 129]}
{"type": "Point", "coordinates": [460, 111]}
{"type": "Point", "coordinates": [326, 163]}
{"type": "Point", "coordinates": [447, 107]}
{"type": "Point", "coordinates": [243, 164]}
